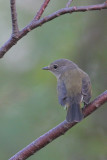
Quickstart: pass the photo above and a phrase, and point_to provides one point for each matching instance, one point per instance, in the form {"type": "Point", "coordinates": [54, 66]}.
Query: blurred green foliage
{"type": "Point", "coordinates": [28, 98]}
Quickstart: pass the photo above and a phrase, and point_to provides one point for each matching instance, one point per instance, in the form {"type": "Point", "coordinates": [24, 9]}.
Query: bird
{"type": "Point", "coordinates": [73, 87]}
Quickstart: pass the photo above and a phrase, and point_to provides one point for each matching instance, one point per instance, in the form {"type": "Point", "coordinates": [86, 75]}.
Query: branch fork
{"type": "Point", "coordinates": [36, 22]}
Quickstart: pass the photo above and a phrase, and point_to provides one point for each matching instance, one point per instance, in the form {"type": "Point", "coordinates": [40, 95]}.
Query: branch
{"type": "Point", "coordinates": [15, 29]}
{"type": "Point", "coordinates": [69, 2]}
{"type": "Point", "coordinates": [59, 130]}
{"type": "Point", "coordinates": [36, 23]}
{"type": "Point", "coordinates": [40, 12]}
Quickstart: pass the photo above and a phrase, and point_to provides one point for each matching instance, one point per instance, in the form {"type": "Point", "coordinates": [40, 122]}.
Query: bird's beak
{"type": "Point", "coordinates": [46, 68]}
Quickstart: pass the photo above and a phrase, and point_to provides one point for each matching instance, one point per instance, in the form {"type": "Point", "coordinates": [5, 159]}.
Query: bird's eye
{"type": "Point", "coordinates": [55, 66]}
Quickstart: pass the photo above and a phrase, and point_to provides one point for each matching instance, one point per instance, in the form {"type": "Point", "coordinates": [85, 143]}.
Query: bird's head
{"type": "Point", "coordinates": [58, 66]}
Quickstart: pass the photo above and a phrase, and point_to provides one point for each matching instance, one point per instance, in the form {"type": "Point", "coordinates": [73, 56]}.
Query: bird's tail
{"type": "Point", "coordinates": [74, 113]}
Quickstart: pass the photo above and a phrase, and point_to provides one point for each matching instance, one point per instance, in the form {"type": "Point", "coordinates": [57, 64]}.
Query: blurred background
{"type": "Point", "coordinates": [28, 98]}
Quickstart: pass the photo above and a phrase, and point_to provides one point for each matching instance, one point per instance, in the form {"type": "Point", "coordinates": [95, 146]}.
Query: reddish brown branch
{"type": "Point", "coordinates": [34, 24]}
{"type": "Point", "coordinates": [59, 130]}
{"type": "Point", "coordinates": [40, 12]}
{"type": "Point", "coordinates": [15, 29]}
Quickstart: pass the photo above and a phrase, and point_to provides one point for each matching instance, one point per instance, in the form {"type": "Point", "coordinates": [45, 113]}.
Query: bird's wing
{"type": "Point", "coordinates": [86, 89]}
{"type": "Point", "coordinates": [61, 92]}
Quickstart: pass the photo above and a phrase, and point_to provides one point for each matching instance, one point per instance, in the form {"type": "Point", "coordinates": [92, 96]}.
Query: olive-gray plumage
{"type": "Point", "coordinates": [73, 86]}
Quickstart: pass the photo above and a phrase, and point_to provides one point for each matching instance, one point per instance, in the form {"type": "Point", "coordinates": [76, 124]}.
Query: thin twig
{"type": "Point", "coordinates": [40, 12]}
{"type": "Point", "coordinates": [15, 30]}
{"type": "Point", "coordinates": [69, 2]}
{"type": "Point", "coordinates": [59, 130]}
{"type": "Point", "coordinates": [34, 24]}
